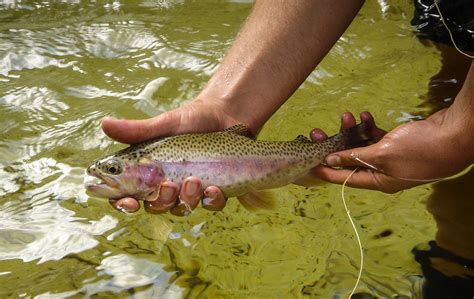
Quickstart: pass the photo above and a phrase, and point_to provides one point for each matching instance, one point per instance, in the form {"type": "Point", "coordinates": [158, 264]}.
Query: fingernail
{"type": "Point", "coordinates": [167, 193]}
{"type": "Point", "coordinates": [333, 160]}
{"type": "Point", "coordinates": [318, 136]}
{"type": "Point", "coordinates": [191, 188]}
{"type": "Point", "coordinates": [104, 118]}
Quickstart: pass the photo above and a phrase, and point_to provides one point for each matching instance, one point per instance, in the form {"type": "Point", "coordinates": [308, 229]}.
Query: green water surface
{"type": "Point", "coordinates": [64, 65]}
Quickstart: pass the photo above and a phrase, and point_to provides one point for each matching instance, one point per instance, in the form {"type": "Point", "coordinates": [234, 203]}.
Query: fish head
{"type": "Point", "coordinates": [121, 177]}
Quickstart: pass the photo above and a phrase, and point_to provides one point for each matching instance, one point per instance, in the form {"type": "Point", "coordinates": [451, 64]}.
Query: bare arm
{"type": "Point", "coordinates": [277, 48]}
{"type": "Point", "coordinates": [413, 153]}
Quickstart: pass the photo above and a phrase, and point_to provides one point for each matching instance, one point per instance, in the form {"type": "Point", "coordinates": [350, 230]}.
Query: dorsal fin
{"type": "Point", "coordinates": [240, 129]}
{"type": "Point", "coordinates": [302, 139]}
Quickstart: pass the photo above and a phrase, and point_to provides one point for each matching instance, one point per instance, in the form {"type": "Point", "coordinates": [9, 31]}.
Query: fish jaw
{"type": "Point", "coordinates": [103, 190]}
{"type": "Point", "coordinates": [139, 180]}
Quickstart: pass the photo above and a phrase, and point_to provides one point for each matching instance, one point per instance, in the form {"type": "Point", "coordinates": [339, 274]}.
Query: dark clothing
{"type": "Point", "coordinates": [438, 285]}
{"type": "Point", "coordinates": [458, 15]}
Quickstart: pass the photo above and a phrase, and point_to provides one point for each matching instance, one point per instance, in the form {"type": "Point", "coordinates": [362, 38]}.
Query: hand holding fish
{"type": "Point", "coordinates": [412, 154]}
{"type": "Point", "coordinates": [197, 116]}
{"type": "Point", "coordinates": [232, 159]}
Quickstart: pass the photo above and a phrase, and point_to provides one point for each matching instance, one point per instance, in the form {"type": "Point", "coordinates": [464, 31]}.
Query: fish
{"type": "Point", "coordinates": [240, 165]}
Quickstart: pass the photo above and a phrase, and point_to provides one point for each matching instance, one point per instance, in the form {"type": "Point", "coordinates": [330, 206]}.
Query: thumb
{"type": "Point", "coordinates": [134, 131]}
{"type": "Point", "coordinates": [362, 156]}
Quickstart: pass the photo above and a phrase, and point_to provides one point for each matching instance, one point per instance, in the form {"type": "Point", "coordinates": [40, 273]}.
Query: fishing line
{"type": "Point", "coordinates": [449, 30]}
{"type": "Point", "coordinates": [359, 242]}
{"type": "Point", "coordinates": [355, 156]}
{"type": "Point", "coordinates": [188, 209]}
{"type": "Point", "coordinates": [355, 231]}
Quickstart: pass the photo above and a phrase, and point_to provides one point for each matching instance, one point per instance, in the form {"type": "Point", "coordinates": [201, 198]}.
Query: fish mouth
{"type": "Point", "coordinates": [102, 186]}
{"type": "Point", "coordinates": [95, 178]}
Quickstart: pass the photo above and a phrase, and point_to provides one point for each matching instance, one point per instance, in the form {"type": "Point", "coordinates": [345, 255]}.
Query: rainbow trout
{"type": "Point", "coordinates": [239, 165]}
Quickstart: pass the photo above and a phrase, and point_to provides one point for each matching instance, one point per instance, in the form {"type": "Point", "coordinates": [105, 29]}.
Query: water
{"type": "Point", "coordinates": [64, 65]}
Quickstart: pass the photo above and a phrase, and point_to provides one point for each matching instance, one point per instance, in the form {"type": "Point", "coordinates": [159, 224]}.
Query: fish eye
{"type": "Point", "coordinates": [113, 167]}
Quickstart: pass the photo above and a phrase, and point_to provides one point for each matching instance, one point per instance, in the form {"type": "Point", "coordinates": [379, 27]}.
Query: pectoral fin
{"type": "Point", "coordinates": [257, 200]}
{"type": "Point", "coordinates": [308, 180]}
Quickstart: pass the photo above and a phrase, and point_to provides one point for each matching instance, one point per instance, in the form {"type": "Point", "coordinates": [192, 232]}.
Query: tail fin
{"type": "Point", "coordinates": [353, 137]}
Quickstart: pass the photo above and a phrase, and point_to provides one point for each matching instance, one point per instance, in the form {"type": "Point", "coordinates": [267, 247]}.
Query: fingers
{"type": "Point", "coordinates": [193, 117]}
{"type": "Point", "coordinates": [189, 197]}
{"type": "Point", "coordinates": [134, 131]}
{"type": "Point", "coordinates": [347, 120]}
{"type": "Point", "coordinates": [214, 199]}
{"type": "Point", "coordinates": [127, 204]}
{"type": "Point", "coordinates": [360, 179]}
{"type": "Point", "coordinates": [363, 178]}
{"type": "Point", "coordinates": [372, 128]}
{"type": "Point", "coordinates": [166, 198]}
{"type": "Point", "coordinates": [318, 135]}
{"type": "Point", "coordinates": [364, 157]}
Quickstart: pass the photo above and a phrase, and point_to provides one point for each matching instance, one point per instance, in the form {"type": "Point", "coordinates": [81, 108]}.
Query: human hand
{"type": "Point", "coordinates": [179, 202]}
{"type": "Point", "coordinates": [197, 116]}
{"type": "Point", "coordinates": [412, 154]}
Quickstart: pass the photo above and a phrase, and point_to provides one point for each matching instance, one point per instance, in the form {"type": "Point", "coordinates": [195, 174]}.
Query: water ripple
{"type": "Point", "coordinates": [52, 232]}
{"type": "Point", "coordinates": [127, 272]}
{"type": "Point", "coordinates": [38, 102]}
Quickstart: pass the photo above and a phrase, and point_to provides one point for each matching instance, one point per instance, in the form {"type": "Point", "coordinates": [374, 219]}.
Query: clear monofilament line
{"type": "Point", "coordinates": [355, 231]}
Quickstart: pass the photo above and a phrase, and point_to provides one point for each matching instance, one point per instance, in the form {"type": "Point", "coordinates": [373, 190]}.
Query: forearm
{"type": "Point", "coordinates": [278, 47]}
{"type": "Point", "coordinates": [463, 116]}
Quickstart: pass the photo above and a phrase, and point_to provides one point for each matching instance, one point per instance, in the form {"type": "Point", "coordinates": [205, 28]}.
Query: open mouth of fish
{"type": "Point", "coordinates": [93, 179]}
{"type": "Point", "coordinates": [90, 180]}
{"type": "Point", "coordinates": [103, 187]}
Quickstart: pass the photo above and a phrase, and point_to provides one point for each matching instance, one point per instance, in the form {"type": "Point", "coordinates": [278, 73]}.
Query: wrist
{"type": "Point", "coordinates": [236, 107]}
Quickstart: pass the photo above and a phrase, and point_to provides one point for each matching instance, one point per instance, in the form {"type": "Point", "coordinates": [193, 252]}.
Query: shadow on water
{"type": "Point", "coordinates": [448, 262]}
{"type": "Point", "coordinates": [446, 84]}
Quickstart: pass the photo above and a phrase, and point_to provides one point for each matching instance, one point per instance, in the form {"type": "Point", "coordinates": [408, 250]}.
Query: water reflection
{"type": "Point", "coordinates": [122, 272]}
{"type": "Point", "coordinates": [45, 231]}
{"type": "Point", "coordinates": [66, 64]}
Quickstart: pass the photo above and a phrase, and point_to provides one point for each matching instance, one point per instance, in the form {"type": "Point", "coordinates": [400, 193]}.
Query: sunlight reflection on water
{"type": "Point", "coordinates": [52, 232]}
{"type": "Point", "coordinates": [64, 65]}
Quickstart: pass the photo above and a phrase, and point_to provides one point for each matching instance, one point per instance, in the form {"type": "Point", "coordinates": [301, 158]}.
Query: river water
{"type": "Point", "coordinates": [64, 65]}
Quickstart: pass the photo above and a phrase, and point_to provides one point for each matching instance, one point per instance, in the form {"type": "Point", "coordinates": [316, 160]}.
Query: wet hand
{"type": "Point", "coordinates": [177, 202]}
{"type": "Point", "coordinates": [197, 116]}
{"type": "Point", "coordinates": [412, 154]}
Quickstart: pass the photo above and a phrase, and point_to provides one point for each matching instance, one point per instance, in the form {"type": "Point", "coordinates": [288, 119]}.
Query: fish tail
{"type": "Point", "coordinates": [356, 136]}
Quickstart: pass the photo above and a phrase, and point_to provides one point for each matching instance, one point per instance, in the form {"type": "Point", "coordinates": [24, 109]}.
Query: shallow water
{"type": "Point", "coordinates": [65, 65]}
